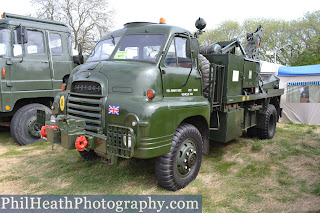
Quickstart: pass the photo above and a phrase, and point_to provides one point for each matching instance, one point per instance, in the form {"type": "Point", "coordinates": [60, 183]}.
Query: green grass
{"type": "Point", "coordinates": [244, 175]}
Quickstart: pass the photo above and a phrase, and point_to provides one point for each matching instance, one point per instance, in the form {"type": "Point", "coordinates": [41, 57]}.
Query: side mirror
{"type": "Point", "coordinates": [80, 55]}
{"type": "Point", "coordinates": [22, 35]}
{"type": "Point", "coordinates": [192, 48]}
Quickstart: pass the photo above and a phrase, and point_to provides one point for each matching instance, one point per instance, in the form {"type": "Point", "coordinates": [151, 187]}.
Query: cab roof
{"type": "Point", "coordinates": [13, 19]}
{"type": "Point", "coordinates": [147, 27]}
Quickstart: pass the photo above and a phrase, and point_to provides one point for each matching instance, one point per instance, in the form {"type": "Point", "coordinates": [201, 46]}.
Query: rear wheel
{"type": "Point", "coordinates": [269, 123]}
{"type": "Point", "coordinates": [181, 165]}
{"type": "Point", "coordinates": [24, 127]}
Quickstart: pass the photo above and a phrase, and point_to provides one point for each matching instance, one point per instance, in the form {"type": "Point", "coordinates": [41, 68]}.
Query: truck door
{"type": "Point", "coordinates": [176, 68]}
{"type": "Point", "coordinates": [59, 56]}
{"type": "Point", "coordinates": [30, 63]}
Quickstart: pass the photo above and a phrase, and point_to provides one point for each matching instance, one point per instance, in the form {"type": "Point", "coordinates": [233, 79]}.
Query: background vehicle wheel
{"type": "Point", "coordinates": [269, 123]}
{"type": "Point", "coordinates": [181, 165]}
{"type": "Point", "coordinates": [204, 65]}
{"type": "Point", "coordinates": [91, 155]}
{"type": "Point", "coordinates": [24, 127]}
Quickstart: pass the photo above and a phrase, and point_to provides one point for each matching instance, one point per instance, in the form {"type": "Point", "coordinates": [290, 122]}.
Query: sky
{"type": "Point", "coordinates": [184, 13]}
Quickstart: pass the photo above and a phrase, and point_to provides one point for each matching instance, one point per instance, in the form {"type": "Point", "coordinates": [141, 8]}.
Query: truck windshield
{"type": "Point", "coordinates": [143, 47]}
{"type": "Point", "coordinates": [4, 42]}
{"type": "Point", "coordinates": [103, 49]}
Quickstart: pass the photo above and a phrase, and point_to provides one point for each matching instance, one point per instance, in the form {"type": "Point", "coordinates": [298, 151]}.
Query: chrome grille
{"type": "Point", "coordinates": [87, 108]}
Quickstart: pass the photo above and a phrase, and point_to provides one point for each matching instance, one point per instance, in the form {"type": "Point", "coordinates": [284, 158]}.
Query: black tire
{"type": "Point", "coordinates": [252, 132]}
{"type": "Point", "coordinates": [176, 169]}
{"type": "Point", "coordinates": [269, 123]}
{"type": "Point", "coordinates": [24, 128]}
{"type": "Point", "coordinates": [91, 155]}
{"type": "Point", "coordinates": [204, 66]}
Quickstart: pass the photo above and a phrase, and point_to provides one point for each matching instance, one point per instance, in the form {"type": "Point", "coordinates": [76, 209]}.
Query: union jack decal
{"type": "Point", "coordinates": [114, 110]}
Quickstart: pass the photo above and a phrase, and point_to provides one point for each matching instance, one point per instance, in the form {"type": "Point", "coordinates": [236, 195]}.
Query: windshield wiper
{"type": "Point", "coordinates": [113, 40]}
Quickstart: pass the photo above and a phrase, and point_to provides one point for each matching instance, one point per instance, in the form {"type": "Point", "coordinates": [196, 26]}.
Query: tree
{"type": "Point", "coordinates": [227, 30]}
{"type": "Point", "coordinates": [88, 20]}
{"type": "Point", "coordinates": [275, 36]}
{"type": "Point", "coordinates": [296, 42]}
{"type": "Point", "coordinates": [308, 33]}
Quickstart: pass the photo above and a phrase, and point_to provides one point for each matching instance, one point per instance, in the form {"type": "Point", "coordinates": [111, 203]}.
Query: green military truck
{"type": "Point", "coordinates": [35, 60]}
{"type": "Point", "coordinates": [145, 92]}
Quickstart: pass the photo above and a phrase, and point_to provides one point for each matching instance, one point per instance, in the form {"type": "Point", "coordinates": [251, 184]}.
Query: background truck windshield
{"type": "Point", "coordinates": [4, 42]}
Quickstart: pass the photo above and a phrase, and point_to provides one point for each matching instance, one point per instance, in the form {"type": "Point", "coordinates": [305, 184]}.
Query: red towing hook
{"type": "Point", "coordinates": [43, 131]}
{"type": "Point", "coordinates": [81, 143]}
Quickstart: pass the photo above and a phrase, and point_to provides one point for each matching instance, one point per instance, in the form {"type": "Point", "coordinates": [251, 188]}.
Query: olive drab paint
{"type": "Point", "coordinates": [35, 57]}
{"type": "Point", "coordinates": [141, 94]}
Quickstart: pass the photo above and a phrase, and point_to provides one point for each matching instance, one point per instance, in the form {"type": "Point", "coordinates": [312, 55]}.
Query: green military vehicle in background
{"type": "Point", "coordinates": [146, 92]}
{"type": "Point", "coordinates": [35, 60]}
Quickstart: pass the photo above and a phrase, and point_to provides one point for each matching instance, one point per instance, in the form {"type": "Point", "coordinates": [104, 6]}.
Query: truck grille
{"type": "Point", "coordinates": [86, 87]}
{"type": "Point", "coordinates": [120, 141]}
{"type": "Point", "coordinates": [88, 108]}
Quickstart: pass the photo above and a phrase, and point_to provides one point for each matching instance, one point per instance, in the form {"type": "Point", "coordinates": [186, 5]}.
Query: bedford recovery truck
{"type": "Point", "coordinates": [35, 60]}
{"type": "Point", "coordinates": [146, 92]}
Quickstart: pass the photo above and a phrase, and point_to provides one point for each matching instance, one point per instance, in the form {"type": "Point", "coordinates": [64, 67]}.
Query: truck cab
{"type": "Point", "coordinates": [35, 59]}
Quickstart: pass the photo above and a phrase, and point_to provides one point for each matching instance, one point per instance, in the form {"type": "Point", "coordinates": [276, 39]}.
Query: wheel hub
{"type": "Point", "coordinates": [192, 159]}
{"type": "Point", "coordinates": [33, 127]}
{"type": "Point", "coordinates": [187, 158]}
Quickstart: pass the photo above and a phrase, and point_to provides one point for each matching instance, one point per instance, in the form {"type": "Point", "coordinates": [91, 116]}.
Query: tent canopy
{"type": "Point", "coordinates": [300, 70]}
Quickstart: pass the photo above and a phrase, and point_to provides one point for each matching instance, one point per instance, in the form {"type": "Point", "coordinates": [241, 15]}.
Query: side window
{"type": "Point", "coordinates": [35, 43]}
{"type": "Point", "coordinates": [171, 59]}
{"type": "Point", "coordinates": [176, 56]}
{"type": "Point", "coordinates": [55, 44]}
{"type": "Point", "coordinates": [183, 61]}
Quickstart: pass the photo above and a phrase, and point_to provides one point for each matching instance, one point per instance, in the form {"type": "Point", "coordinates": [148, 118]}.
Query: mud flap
{"type": "Point", "coordinates": [206, 146]}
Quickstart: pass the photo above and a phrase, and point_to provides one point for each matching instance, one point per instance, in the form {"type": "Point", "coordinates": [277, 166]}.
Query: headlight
{"type": "Point", "coordinates": [125, 142]}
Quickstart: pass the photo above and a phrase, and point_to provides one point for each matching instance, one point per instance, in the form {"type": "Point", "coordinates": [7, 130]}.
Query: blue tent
{"type": "Point", "coordinates": [300, 70]}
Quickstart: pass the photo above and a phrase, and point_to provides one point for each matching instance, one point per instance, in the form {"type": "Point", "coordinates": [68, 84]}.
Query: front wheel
{"type": "Point", "coordinates": [176, 169]}
{"type": "Point", "coordinates": [24, 127]}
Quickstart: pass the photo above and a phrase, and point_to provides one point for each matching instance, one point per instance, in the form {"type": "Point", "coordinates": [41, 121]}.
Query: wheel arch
{"type": "Point", "coordinates": [47, 101]}
{"type": "Point", "coordinates": [275, 101]}
{"type": "Point", "coordinates": [200, 123]}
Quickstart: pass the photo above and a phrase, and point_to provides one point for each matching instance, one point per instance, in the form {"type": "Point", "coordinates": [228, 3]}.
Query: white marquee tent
{"type": "Point", "coordinates": [301, 98]}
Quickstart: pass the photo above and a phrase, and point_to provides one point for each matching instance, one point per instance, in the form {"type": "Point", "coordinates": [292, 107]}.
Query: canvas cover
{"type": "Point", "coordinates": [299, 70]}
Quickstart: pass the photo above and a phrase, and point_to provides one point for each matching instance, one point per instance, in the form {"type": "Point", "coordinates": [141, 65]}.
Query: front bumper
{"type": "Point", "coordinates": [119, 142]}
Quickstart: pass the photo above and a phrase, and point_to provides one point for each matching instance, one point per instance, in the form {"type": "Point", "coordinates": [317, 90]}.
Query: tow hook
{"type": "Point", "coordinates": [43, 131]}
{"type": "Point", "coordinates": [81, 143]}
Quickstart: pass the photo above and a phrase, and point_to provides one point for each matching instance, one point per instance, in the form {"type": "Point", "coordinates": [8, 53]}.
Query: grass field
{"type": "Point", "coordinates": [245, 175]}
